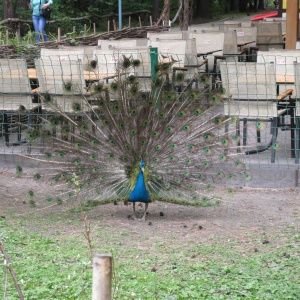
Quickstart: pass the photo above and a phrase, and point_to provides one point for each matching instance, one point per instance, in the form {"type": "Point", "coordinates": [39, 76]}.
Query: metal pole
{"type": "Point", "coordinates": [120, 13]}
{"type": "Point", "coordinates": [102, 276]}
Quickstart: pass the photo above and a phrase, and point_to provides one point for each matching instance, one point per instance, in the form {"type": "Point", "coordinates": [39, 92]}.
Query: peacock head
{"type": "Point", "coordinates": [142, 165]}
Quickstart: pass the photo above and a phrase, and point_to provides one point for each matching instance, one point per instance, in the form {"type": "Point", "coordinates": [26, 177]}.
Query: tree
{"type": "Point", "coordinates": [203, 9]}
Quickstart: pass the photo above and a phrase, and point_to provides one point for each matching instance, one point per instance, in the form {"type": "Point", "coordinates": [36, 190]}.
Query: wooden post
{"type": "Point", "coordinates": [108, 26]}
{"type": "Point", "coordinates": [42, 36]}
{"type": "Point", "coordinates": [94, 26]}
{"type": "Point", "coordinates": [129, 21]}
{"type": "Point", "coordinates": [115, 26]}
{"type": "Point", "coordinates": [7, 36]}
{"type": "Point", "coordinates": [140, 21]}
{"type": "Point", "coordinates": [151, 24]}
{"type": "Point", "coordinates": [84, 30]}
{"type": "Point", "coordinates": [292, 24]}
{"type": "Point", "coordinates": [102, 276]}
{"type": "Point", "coordinates": [58, 34]}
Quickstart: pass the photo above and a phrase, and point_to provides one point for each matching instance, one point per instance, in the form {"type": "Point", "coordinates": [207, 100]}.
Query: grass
{"type": "Point", "coordinates": [51, 259]}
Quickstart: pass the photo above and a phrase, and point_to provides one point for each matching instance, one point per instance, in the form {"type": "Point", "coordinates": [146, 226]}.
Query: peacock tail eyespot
{"type": "Point", "coordinates": [230, 191]}
{"type": "Point", "coordinates": [179, 77]}
{"type": "Point", "coordinates": [61, 154]}
{"type": "Point", "coordinates": [233, 120]}
{"type": "Point", "coordinates": [230, 176]}
{"type": "Point", "coordinates": [136, 63]}
{"type": "Point", "coordinates": [222, 157]}
{"type": "Point", "coordinates": [220, 174]}
{"type": "Point", "coordinates": [207, 150]}
{"type": "Point", "coordinates": [81, 170]}
{"type": "Point", "coordinates": [186, 173]}
{"type": "Point", "coordinates": [154, 133]}
{"type": "Point", "coordinates": [30, 194]}
{"type": "Point", "coordinates": [218, 121]}
{"type": "Point", "coordinates": [156, 159]}
{"type": "Point", "coordinates": [134, 90]}
{"type": "Point", "coordinates": [173, 146]}
{"type": "Point", "coordinates": [204, 198]}
{"type": "Point", "coordinates": [110, 155]}
{"type": "Point", "coordinates": [172, 158]}
{"type": "Point", "coordinates": [95, 170]}
{"type": "Point", "coordinates": [186, 128]}
{"type": "Point", "coordinates": [76, 107]}
{"type": "Point", "coordinates": [134, 112]}
{"type": "Point", "coordinates": [237, 164]}
{"type": "Point", "coordinates": [46, 98]}
{"type": "Point", "coordinates": [59, 201]}
{"type": "Point", "coordinates": [197, 112]}
{"type": "Point", "coordinates": [55, 179]}
{"type": "Point", "coordinates": [224, 142]}
{"type": "Point", "coordinates": [150, 103]}
{"type": "Point", "coordinates": [133, 132]}
{"type": "Point", "coordinates": [168, 170]}
{"type": "Point", "coordinates": [105, 122]}
{"type": "Point", "coordinates": [101, 178]}
{"type": "Point", "coordinates": [169, 129]}
{"type": "Point", "coordinates": [158, 177]}
{"type": "Point", "coordinates": [48, 155]}
{"type": "Point", "coordinates": [158, 147]}
{"type": "Point", "coordinates": [188, 161]}
{"type": "Point", "coordinates": [143, 142]}
{"type": "Point", "coordinates": [64, 176]}
{"type": "Point", "coordinates": [49, 199]}
{"type": "Point", "coordinates": [114, 86]}
{"type": "Point", "coordinates": [67, 86]}
{"type": "Point", "coordinates": [32, 203]}
{"type": "Point", "coordinates": [132, 79]}
{"type": "Point", "coordinates": [37, 177]}
{"type": "Point", "coordinates": [145, 123]}
{"type": "Point", "coordinates": [206, 164]}
{"type": "Point", "coordinates": [94, 142]}
{"type": "Point", "coordinates": [214, 99]}
{"type": "Point", "coordinates": [97, 88]}
{"type": "Point", "coordinates": [181, 114]}
{"type": "Point", "coordinates": [236, 138]}
{"type": "Point", "coordinates": [19, 171]}
{"type": "Point", "coordinates": [93, 64]}
{"type": "Point", "coordinates": [207, 137]}
{"type": "Point", "coordinates": [112, 142]}
{"type": "Point", "coordinates": [77, 161]}
{"type": "Point", "coordinates": [84, 128]}
{"type": "Point", "coordinates": [127, 146]}
{"type": "Point", "coordinates": [162, 116]}
{"type": "Point", "coordinates": [124, 158]}
{"type": "Point", "coordinates": [122, 125]}
{"type": "Point", "coordinates": [204, 79]}
{"type": "Point", "coordinates": [275, 146]}
{"type": "Point", "coordinates": [78, 145]}
{"type": "Point", "coordinates": [247, 176]}
{"type": "Point", "coordinates": [92, 156]}
{"type": "Point", "coordinates": [192, 96]}
{"type": "Point", "coordinates": [190, 186]}
{"type": "Point", "coordinates": [167, 186]}
{"type": "Point", "coordinates": [177, 180]}
{"type": "Point", "coordinates": [179, 195]}
{"type": "Point", "coordinates": [70, 194]}
{"type": "Point", "coordinates": [126, 62]}
{"type": "Point", "coordinates": [191, 147]}
{"type": "Point", "coordinates": [201, 176]}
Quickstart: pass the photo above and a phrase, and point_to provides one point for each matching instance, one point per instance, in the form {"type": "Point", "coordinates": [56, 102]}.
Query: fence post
{"type": "Point", "coordinates": [58, 34]}
{"type": "Point", "coordinates": [129, 21]}
{"type": "Point", "coordinates": [94, 26]}
{"type": "Point", "coordinates": [84, 30]}
{"type": "Point", "coordinates": [102, 276]}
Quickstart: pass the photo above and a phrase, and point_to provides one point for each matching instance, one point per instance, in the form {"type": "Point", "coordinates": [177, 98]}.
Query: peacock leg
{"type": "Point", "coordinates": [144, 215]}
{"type": "Point", "coordinates": [134, 213]}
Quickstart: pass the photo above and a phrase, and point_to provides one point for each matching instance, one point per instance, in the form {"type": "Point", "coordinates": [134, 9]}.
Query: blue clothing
{"type": "Point", "coordinates": [39, 24]}
{"type": "Point", "coordinates": [38, 21]}
{"type": "Point", "coordinates": [36, 6]}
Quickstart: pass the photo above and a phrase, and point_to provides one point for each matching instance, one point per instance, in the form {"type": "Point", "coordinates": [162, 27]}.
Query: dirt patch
{"type": "Point", "coordinates": [242, 214]}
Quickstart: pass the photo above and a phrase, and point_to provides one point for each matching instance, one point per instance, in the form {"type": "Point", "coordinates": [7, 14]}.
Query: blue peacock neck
{"type": "Point", "coordinates": [139, 192]}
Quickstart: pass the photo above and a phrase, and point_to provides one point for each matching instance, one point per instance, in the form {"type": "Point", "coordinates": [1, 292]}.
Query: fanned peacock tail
{"type": "Point", "coordinates": [166, 130]}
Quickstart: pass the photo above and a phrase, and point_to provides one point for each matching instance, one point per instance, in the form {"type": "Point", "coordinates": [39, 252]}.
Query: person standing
{"type": "Point", "coordinates": [38, 21]}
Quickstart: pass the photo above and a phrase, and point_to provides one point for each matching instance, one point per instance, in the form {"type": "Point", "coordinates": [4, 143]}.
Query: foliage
{"type": "Point", "coordinates": [57, 265]}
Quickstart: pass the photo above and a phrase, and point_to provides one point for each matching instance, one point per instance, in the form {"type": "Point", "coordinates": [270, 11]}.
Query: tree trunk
{"type": "Point", "coordinates": [185, 14]}
{"type": "Point", "coordinates": [204, 9]}
{"type": "Point", "coordinates": [8, 12]}
{"type": "Point", "coordinates": [166, 12]}
{"type": "Point", "coordinates": [155, 10]}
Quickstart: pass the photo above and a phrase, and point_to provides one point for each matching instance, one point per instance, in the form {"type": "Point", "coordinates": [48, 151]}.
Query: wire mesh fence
{"type": "Point", "coordinates": [259, 92]}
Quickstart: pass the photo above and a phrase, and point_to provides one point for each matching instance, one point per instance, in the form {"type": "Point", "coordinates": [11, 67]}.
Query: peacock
{"type": "Point", "coordinates": [136, 139]}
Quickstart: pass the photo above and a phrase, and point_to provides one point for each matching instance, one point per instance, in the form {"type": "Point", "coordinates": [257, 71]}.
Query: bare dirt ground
{"type": "Point", "coordinates": [246, 212]}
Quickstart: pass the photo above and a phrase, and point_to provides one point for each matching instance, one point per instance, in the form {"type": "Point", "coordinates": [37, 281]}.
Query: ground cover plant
{"type": "Point", "coordinates": [246, 248]}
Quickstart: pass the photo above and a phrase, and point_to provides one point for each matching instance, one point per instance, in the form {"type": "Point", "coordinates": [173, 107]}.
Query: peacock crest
{"type": "Point", "coordinates": [136, 138]}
